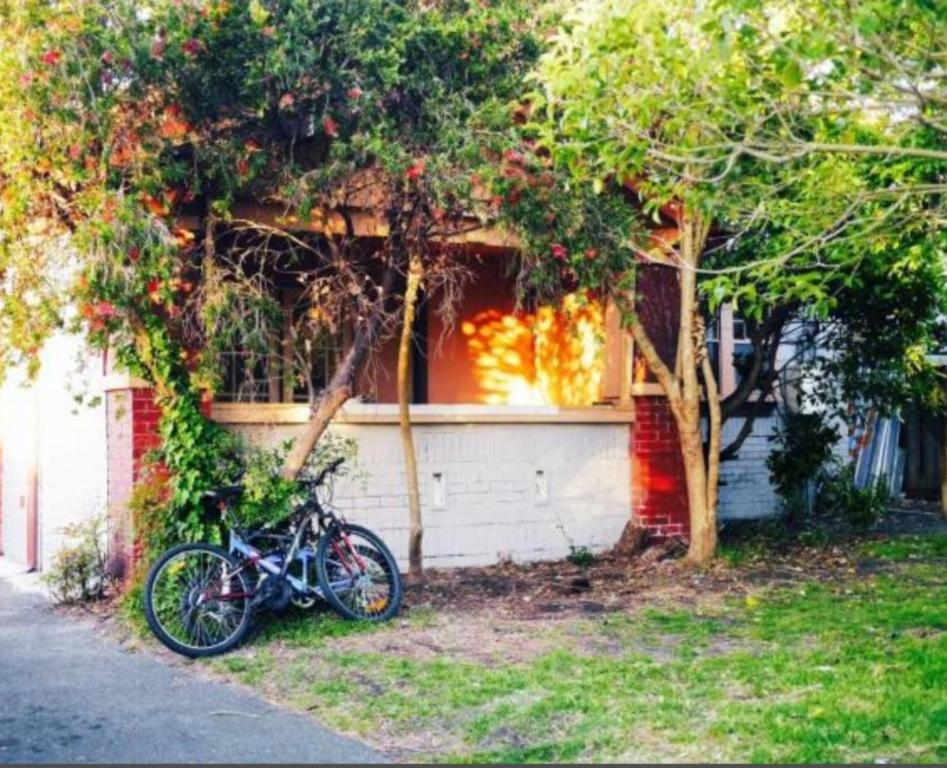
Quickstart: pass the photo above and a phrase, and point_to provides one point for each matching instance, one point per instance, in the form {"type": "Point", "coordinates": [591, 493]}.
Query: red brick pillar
{"type": "Point", "coordinates": [658, 493]}
{"type": "Point", "coordinates": [131, 431]}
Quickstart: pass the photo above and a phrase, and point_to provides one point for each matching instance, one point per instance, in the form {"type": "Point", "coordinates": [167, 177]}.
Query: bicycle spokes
{"type": "Point", "coordinates": [359, 575]}
{"type": "Point", "coordinates": [199, 599]}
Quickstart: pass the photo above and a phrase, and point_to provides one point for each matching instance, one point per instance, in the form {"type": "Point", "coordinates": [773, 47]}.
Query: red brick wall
{"type": "Point", "coordinates": [658, 493]}
{"type": "Point", "coordinates": [131, 430]}
{"type": "Point", "coordinates": [145, 419]}
{"type": "Point", "coordinates": [133, 420]}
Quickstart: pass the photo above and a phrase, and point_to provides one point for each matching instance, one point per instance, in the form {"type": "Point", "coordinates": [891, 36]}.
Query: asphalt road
{"type": "Point", "coordinates": [68, 695]}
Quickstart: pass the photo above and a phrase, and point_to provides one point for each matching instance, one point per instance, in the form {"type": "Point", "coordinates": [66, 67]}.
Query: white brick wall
{"type": "Point", "coordinates": [745, 490]}
{"type": "Point", "coordinates": [493, 505]}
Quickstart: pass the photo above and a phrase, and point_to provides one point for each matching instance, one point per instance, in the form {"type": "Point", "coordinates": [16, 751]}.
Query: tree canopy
{"type": "Point", "coordinates": [776, 139]}
{"type": "Point", "coordinates": [131, 132]}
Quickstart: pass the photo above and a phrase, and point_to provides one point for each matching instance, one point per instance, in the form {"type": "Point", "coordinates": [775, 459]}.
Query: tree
{"type": "Point", "coordinates": [784, 190]}
{"type": "Point", "coordinates": [416, 529]}
{"type": "Point", "coordinates": [147, 136]}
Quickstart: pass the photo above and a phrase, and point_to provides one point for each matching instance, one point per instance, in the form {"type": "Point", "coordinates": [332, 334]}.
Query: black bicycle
{"type": "Point", "coordinates": [200, 599]}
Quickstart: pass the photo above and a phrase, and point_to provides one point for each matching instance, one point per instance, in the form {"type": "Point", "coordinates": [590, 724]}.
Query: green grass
{"type": "Point", "coordinates": [907, 548]}
{"type": "Point", "coordinates": [854, 670]}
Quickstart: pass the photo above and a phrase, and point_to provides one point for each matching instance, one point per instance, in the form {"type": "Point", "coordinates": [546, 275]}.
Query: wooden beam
{"type": "Point", "coordinates": [365, 223]}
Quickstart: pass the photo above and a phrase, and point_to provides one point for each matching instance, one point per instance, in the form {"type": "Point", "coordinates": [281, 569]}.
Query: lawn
{"type": "Point", "coordinates": [841, 657]}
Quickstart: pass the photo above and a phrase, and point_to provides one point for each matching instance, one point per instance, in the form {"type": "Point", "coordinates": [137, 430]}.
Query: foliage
{"type": "Point", "coordinates": [268, 497]}
{"type": "Point", "coordinates": [150, 508]}
{"type": "Point", "coordinates": [797, 227]}
{"type": "Point", "coordinates": [122, 124]}
{"type": "Point", "coordinates": [839, 496]}
{"type": "Point", "coordinates": [804, 443]}
{"type": "Point", "coordinates": [581, 556]}
{"type": "Point", "coordinates": [80, 569]}
{"type": "Point", "coordinates": [748, 133]}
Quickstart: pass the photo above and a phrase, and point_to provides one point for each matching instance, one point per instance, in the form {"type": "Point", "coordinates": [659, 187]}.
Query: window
{"type": "Point", "coordinates": [245, 378]}
{"type": "Point", "coordinates": [712, 338]}
{"type": "Point", "coordinates": [743, 330]}
{"type": "Point", "coordinates": [316, 349]}
{"type": "Point", "coordinates": [302, 357]}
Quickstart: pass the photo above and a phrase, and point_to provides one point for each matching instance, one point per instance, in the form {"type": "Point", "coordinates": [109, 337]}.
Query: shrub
{"type": "Point", "coordinates": [581, 556]}
{"type": "Point", "coordinates": [79, 571]}
{"type": "Point", "coordinates": [151, 512]}
{"type": "Point", "coordinates": [804, 448]}
{"type": "Point", "coordinates": [268, 497]}
{"type": "Point", "coordinates": [861, 507]}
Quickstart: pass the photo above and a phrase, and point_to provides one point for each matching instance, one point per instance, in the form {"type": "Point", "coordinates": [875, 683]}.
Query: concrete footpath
{"type": "Point", "coordinates": [68, 695]}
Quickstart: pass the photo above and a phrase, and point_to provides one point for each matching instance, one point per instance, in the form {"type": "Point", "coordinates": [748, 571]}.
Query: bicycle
{"type": "Point", "coordinates": [200, 599]}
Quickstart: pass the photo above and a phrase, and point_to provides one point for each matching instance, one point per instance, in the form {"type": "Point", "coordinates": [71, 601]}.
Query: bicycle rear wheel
{"type": "Point", "coordinates": [357, 574]}
{"type": "Point", "coordinates": [198, 600]}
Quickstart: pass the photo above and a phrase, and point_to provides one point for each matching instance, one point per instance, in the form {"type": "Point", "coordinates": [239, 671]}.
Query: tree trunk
{"type": "Point", "coordinates": [701, 487]}
{"type": "Point", "coordinates": [705, 550]}
{"type": "Point", "coordinates": [416, 533]}
{"type": "Point", "coordinates": [682, 389]}
{"type": "Point", "coordinates": [340, 387]}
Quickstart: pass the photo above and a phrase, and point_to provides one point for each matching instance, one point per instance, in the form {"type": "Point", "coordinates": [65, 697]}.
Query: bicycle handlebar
{"type": "Point", "coordinates": [331, 468]}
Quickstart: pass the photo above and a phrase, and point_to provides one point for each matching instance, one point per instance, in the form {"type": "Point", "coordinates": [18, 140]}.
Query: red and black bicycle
{"type": "Point", "coordinates": [200, 599]}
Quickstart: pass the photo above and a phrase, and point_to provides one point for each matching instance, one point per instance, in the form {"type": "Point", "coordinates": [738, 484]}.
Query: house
{"type": "Point", "coordinates": [537, 433]}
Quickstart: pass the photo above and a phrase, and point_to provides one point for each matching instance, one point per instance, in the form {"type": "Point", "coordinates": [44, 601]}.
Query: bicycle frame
{"type": "Point", "coordinates": [309, 510]}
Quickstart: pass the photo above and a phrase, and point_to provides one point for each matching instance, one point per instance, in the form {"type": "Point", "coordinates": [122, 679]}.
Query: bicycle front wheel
{"type": "Point", "coordinates": [198, 600]}
{"type": "Point", "coordinates": [357, 574]}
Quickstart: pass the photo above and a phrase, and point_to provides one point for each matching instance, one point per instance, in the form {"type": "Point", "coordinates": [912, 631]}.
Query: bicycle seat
{"type": "Point", "coordinates": [224, 493]}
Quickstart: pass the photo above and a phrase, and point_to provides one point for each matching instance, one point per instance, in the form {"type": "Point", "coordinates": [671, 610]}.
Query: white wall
{"type": "Point", "coordinates": [493, 506]}
{"type": "Point", "coordinates": [745, 490]}
{"type": "Point", "coordinates": [18, 435]}
{"type": "Point", "coordinates": [67, 439]}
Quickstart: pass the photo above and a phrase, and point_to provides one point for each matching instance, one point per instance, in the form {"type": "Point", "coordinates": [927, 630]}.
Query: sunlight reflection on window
{"type": "Point", "coordinates": [552, 357]}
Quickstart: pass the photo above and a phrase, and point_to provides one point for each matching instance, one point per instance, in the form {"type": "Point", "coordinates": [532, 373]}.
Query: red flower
{"type": "Point", "coordinates": [75, 151]}
{"type": "Point", "coordinates": [107, 58]}
{"type": "Point", "coordinates": [330, 127]}
{"type": "Point", "coordinates": [153, 287]}
{"type": "Point", "coordinates": [354, 93]}
{"type": "Point", "coordinates": [243, 168]}
{"type": "Point", "coordinates": [51, 58]}
{"type": "Point", "coordinates": [513, 156]}
{"type": "Point", "coordinates": [134, 254]}
{"type": "Point", "coordinates": [559, 252]}
{"type": "Point", "coordinates": [591, 253]}
{"type": "Point", "coordinates": [287, 101]}
{"type": "Point", "coordinates": [105, 309]}
{"type": "Point", "coordinates": [192, 47]}
{"type": "Point", "coordinates": [416, 171]}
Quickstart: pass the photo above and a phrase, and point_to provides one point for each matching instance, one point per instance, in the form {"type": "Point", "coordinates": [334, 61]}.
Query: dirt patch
{"type": "Point", "coordinates": [478, 637]}
{"type": "Point", "coordinates": [613, 582]}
